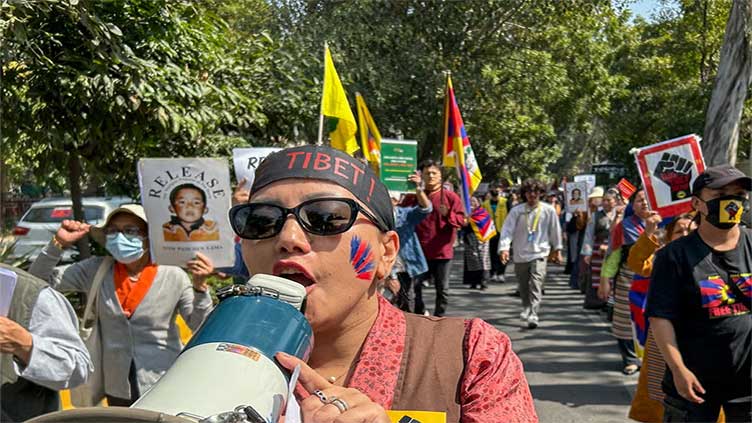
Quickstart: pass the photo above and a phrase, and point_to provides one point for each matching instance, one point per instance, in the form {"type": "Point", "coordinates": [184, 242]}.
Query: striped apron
{"type": "Point", "coordinates": [622, 324]}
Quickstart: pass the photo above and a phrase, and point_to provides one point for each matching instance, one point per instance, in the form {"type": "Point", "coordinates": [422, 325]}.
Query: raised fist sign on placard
{"type": "Point", "coordinates": [671, 164]}
{"type": "Point", "coordinates": [676, 172]}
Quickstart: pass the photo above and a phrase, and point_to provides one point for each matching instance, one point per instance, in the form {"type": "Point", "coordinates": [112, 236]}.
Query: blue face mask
{"type": "Point", "coordinates": [123, 249]}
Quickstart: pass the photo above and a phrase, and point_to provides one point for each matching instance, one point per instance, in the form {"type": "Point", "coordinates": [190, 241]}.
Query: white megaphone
{"type": "Point", "coordinates": [229, 365]}
{"type": "Point", "coordinates": [227, 372]}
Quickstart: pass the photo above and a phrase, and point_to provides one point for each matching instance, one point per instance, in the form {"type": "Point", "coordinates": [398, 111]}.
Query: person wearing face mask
{"type": "Point", "coordinates": [699, 305]}
{"type": "Point", "coordinates": [137, 302]}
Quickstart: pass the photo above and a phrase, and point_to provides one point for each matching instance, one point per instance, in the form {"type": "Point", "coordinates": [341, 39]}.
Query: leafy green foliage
{"type": "Point", "coordinates": [114, 81]}
{"type": "Point", "coordinates": [534, 80]}
{"type": "Point", "coordinates": [545, 87]}
{"type": "Point", "coordinates": [670, 64]}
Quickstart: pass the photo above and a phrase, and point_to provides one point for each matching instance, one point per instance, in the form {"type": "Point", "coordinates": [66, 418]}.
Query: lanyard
{"type": "Point", "coordinates": [532, 229]}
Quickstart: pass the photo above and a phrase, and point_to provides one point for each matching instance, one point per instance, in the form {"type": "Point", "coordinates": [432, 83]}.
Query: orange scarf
{"type": "Point", "coordinates": [130, 293]}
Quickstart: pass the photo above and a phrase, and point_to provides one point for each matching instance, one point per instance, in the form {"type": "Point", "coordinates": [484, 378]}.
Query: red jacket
{"type": "Point", "coordinates": [436, 232]}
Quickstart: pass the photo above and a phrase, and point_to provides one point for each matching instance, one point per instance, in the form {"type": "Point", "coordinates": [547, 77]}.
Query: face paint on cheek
{"type": "Point", "coordinates": [361, 259]}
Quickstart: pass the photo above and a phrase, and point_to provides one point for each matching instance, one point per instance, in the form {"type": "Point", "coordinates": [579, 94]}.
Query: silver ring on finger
{"type": "Point", "coordinates": [322, 396]}
{"type": "Point", "coordinates": [340, 404]}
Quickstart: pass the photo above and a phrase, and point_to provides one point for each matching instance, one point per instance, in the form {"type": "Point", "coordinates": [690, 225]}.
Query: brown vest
{"type": "Point", "coordinates": [432, 366]}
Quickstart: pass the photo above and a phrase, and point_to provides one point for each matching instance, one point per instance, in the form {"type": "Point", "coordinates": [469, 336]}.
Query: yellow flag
{"type": "Point", "coordinates": [370, 137]}
{"type": "Point", "coordinates": [334, 106]}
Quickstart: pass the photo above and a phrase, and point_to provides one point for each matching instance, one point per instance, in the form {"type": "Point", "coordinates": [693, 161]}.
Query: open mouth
{"type": "Point", "coordinates": [294, 272]}
{"type": "Point", "coordinates": [297, 277]}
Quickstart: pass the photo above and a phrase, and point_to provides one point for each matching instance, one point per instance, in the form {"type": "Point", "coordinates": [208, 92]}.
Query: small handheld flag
{"type": "Point", "coordinates": [626, 189]}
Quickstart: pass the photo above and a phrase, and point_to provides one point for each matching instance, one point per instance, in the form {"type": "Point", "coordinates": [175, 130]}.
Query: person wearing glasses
{"type": "Point", "coordinates": [324, 220]}
{"type": "Point", "coordinates": [137, 301]}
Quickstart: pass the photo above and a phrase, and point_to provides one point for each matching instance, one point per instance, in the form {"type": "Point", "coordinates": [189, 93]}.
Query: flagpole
{"type": "Point", "coordinates": [321, 128]}
{"type": "Point", "coordinates": [446, 122]}
{"type": "Point", "coordinates": [321, 110]}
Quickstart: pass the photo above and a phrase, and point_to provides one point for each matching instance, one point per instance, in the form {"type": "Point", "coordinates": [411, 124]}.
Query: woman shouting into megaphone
{"type": "Point", "coordinates": [323, 219]}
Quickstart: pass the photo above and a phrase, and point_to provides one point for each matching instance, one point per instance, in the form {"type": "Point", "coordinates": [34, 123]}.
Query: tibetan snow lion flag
{"type": "Point", "coordinates": [483, 224]}
{"type": "Point", "coordinates": [667, 170]}
{"type": "Point", "coordinates": [638, 295]}
{"type": "Point", "coordinates": [457, 151]}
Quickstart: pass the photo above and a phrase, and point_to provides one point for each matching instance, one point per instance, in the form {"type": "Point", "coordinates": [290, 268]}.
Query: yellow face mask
{"type": "Point", "coordinates": [726, 212]}
{"type": "Point", "coordinates": [731, 211]}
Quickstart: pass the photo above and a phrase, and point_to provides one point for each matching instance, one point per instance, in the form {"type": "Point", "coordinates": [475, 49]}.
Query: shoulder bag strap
{"type": "Point", "coordinates": [91, 298]}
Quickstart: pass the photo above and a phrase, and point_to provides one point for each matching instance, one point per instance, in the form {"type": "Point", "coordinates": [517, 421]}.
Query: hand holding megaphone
{"type": "Point", "coordinates": [229, 362]}
{"type": "Point", "coordinates": [324, 402]}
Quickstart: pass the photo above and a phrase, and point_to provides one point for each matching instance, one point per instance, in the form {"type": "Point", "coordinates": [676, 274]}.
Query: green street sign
{"type": "Point", "coordinates": [399, 159]}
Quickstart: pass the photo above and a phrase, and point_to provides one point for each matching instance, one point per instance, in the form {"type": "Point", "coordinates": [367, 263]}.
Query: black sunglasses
{"type": "Point", "coordinates": [320, 216]}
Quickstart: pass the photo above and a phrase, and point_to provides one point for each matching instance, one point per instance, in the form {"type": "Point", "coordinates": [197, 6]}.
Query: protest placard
{"type": "Point", "coordinates": [589, 178]}
{"type": "Point", "coordinates": [247, 160]}
{"type": "Point", "coordinates": [8, 280]}
{"type": "Point", "coordinates": [186, 202]}
{"type": "Point", "coordinates": [399, 159]}
{"type": "Point", "coordinates": [667, 170]}
{"type": "Point", "coordinates": [576, 194]}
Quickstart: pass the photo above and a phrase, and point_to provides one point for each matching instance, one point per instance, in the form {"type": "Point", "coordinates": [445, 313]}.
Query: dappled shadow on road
{"type": "Point", "coordinates": [571, 360]}
{"type": "Point", "coordinates": [554, 366]}
{"type": "Point", "coordinates": [577, 395]}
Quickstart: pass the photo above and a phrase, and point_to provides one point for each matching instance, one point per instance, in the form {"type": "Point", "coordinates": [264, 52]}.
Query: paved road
{"type": "Point", "coordinates": [571, 361]}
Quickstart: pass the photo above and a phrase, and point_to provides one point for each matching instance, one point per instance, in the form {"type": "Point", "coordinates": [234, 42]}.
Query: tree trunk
{"type": "Point", "coordinates": [74, 184]}
{"type": "Point", "coordinates": [730, 89]}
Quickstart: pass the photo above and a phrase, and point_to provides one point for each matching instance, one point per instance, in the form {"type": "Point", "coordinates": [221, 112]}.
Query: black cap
{"type": "Point", "coordinates": [718, 177]}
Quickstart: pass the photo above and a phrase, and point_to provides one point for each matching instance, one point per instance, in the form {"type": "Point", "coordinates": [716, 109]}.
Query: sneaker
{"type": "Point", "coordinates": [630, 369]}
{"type": "Point", "coordinates": [426, 313]}
{"type": "Point", "coordinates": [525, 314]}
{"type": "Point", "coordinates": [532, 322]}
{"type": "Point", "coordinates": [500, 278]}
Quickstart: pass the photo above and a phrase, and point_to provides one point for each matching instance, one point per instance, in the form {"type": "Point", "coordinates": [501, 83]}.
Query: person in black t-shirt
{"type": "Point", "coordinates": [699, 305]}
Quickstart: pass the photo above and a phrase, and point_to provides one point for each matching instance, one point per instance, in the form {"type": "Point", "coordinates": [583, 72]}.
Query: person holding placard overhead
{"type": "Point", "coordinates": [137, 300]}
{"type": "Point", "coordinates": [532, 228]}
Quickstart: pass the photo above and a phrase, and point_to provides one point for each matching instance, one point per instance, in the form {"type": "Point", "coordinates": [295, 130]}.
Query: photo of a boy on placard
{"type": "Point", "coordinates": [575, 194]}
{"type": "Point", "coordinates": [576, 197]}
{"type": "Point", "coordinates": [187, 223]}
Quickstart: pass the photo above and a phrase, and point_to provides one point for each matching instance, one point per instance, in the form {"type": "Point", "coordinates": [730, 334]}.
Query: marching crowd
{"type": "Point", "coordinates": [677, 291]}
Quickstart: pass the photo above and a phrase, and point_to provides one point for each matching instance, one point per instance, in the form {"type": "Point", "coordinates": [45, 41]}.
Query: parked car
{"type": "Point", "coordinates": [41, 221]}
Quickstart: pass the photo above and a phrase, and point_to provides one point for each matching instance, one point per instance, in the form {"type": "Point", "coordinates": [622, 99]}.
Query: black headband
{"type": "Point", "coordinates": [328, 164]}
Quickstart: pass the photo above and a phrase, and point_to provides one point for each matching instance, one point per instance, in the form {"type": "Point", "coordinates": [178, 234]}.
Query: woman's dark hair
{"type": "Point", "coordinates": [531, 185]}
{"type": "Point", "coordinates": [428, 163]}
{"type": "Point", "coordinates": [670, 227]}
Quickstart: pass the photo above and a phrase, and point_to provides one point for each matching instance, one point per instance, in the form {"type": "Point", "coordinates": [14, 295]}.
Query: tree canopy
{"type": "Point", "coordinates": [545, 87]}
